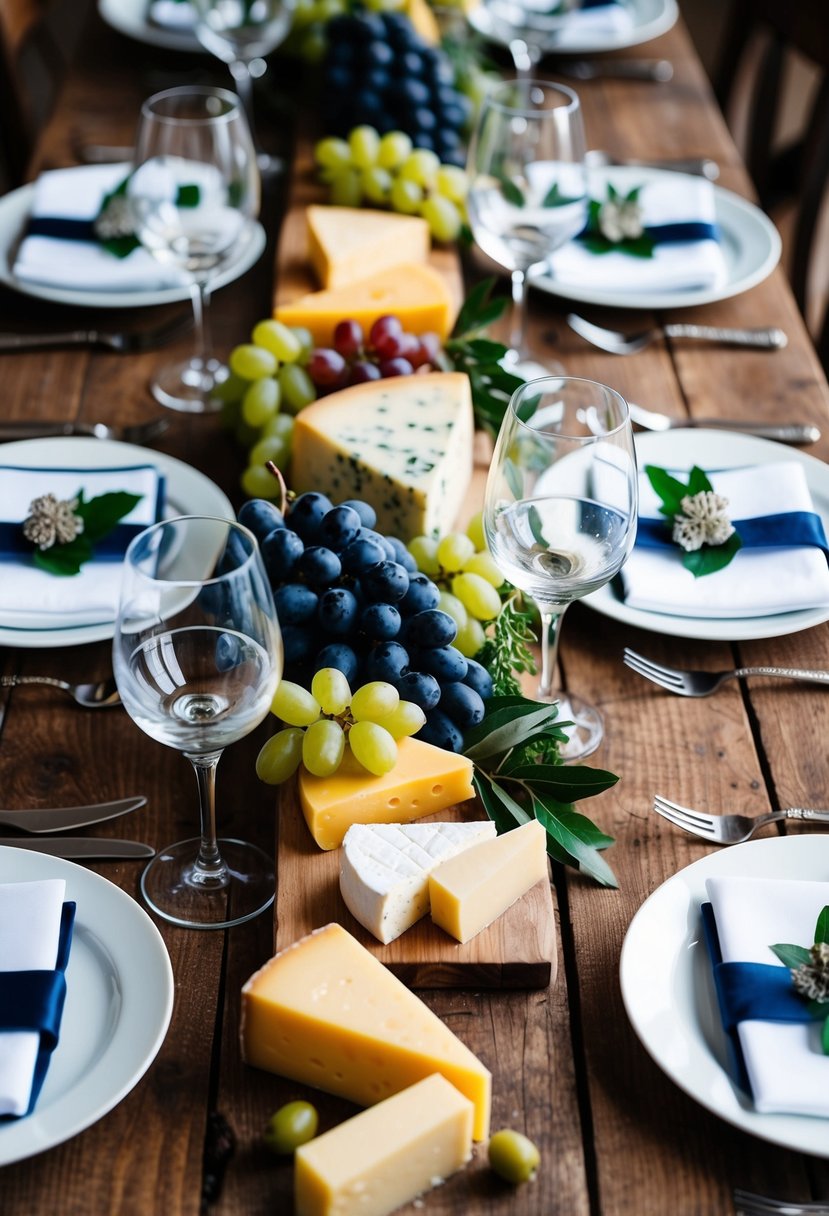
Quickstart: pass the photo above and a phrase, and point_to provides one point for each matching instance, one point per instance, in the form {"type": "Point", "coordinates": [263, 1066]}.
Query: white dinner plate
{"type": "Point", "coordinates": [710, 450]}
{"type": "Point", "coordinates": [188, 492]}
{"type": "Point", "coordinates": [15, 208]}
{"type": "Point", "coordinates": [668, 989]}
{"type": "Point", "coordinates": [750, 243]}
{"type": "Point", "coordinates": [119, 998]}
{"type": "Point", "coordinates": [130, 17]}
{"type": "Point", "coordinates": [651, 18]}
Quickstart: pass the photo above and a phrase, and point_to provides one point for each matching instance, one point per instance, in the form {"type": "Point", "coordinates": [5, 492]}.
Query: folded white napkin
{"type": "Point", "coordinates": [174, 14]}
{"type": "Point", "coordinates": [757, 582]}
{"type": "Point", "coordinates": [786, 1067]}
{"type": "Point", "coordinates": [79, 265]}
{"type": "Point", "coordinates": [675, 266]}
{"type": "Point", "coordinates": [33, 599]}
{"type": "Point", "coordinates": [30, 920]}
{"type": "Point", "coordinates": [580, 25]}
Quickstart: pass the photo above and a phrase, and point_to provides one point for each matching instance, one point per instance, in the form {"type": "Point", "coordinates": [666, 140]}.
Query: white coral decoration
{"type": "Point", "coordinates": [703, 521]}
{"type": "Point", "coordinates": [812, 979]}
{"type": "Point", "coordinates": [52, 521]}
{"type": "Point", "coordinates": [620, 220]}
{"type": "Point", "coordinates": [115, 220]}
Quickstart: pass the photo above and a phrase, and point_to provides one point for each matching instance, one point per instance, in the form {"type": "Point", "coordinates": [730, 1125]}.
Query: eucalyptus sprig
{"type": "Point", "coordinates": [508, 654]}
{"type": "Point", "coordinates": [98, 516]}
{"type": "Point", "coordinates": [691, 509]}
{"type": "Point", "coordinates": [515, 786]}
{"type": "Point", "coordinates": [810, 973]}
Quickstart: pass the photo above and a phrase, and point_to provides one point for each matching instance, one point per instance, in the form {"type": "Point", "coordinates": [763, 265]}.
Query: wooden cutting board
{"type": "Point", "coordinates": [517, 951]}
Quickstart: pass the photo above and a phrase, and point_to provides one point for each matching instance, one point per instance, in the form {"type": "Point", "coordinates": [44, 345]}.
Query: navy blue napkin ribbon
{"type": "Point", "coordinates": [33, 1000]}
{"type": "Point", "coordinates": [786, 530]}
{"type": "Point", "coordinates": [667, 234]}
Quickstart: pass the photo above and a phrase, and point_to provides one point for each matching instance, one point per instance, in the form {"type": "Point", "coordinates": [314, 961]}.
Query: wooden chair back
{"type": "Point", "coordinates": [32, 64]}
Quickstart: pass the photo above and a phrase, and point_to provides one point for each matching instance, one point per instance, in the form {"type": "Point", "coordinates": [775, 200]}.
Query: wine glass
{"type": "Point", "coordinates": [527, 183]}
{"type": "Point", "coordinates": [560, 511]}
{"type": "Point", "coordinates": [241, 33]}
{"type": "Point", "coordinates": [193, 193]}
{"type": "Point", "coordinates": [197, 656]}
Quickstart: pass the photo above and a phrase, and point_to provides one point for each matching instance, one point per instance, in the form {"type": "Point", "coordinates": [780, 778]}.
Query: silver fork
{"type": "Point", "coordinates": [729, 829]}
{"type": "Point", "coordinates": [100, 695]}
{"type": "Point", "coordinates": [703, 683]}
{"type": "Point", "coordinates": [138, 433]}
{"type": "Point", "coordinates": [616, 343]}
{"type": "Point", "coordinates": [748, 1204]}
{"type": "Point", "coordinates": [128, 342]}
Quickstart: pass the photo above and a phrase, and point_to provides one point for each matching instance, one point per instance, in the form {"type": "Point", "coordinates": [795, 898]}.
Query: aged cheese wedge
{"type": "Point", "coordinates": [424, 780]}
{"type": "Point", "coordinates": [346, 244]}
{"type": "Point", "coordinates": [470, 891]}
{"type": "Point", "coordinates": [327, 1013]}
{"type": "Point", "coordinates": [385, 867]}
{"type": "Point", "coordinates": [404, 445]}
{"type": "Point", "coordinates": [417, 294]}
{"type": "Point", "coordinates": [387, 1155]}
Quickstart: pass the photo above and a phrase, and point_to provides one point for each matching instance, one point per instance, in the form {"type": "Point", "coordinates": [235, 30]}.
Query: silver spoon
{"type": "Point", "coordinates": [92, 696]}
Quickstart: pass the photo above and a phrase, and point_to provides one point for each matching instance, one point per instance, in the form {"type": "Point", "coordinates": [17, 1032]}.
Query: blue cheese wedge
{"type": "Point", "coordinates": [404, 445]}
{"type": "Point", "coordinates": [385, 868]}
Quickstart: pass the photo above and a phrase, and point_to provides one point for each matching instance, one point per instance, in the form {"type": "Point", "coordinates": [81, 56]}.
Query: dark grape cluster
{"type": "Point", "coordinates": [354, 358]}
{"type": "Point", "coordinates": [350, 598]}
{"type": "Point", "coordinates": [379, 71]}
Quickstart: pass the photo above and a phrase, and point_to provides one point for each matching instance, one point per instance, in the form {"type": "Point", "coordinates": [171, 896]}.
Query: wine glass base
{"type": "Point", "coordinates": [244, 889]}
{"type": "Point", "coordinates": [587, 731]}
{"type": "Point", "coordinates": [188, 386]}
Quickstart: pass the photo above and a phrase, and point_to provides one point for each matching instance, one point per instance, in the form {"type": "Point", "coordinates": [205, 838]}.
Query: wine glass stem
{"type": "Point", "coordinates": [240, 71]}
{"type": "Point", "coordinates": [519, 311]}
{"type": "Point", "coordinates": [209, 866]}
{"type": "Point", "coordinates": [200, 295]}
{"type": "Point", "coordinates": [550, 631]}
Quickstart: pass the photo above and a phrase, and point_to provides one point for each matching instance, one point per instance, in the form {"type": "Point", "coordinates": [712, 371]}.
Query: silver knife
{"type": "Point", "coordinates": [89, 848]}
{"type": "Point", "coordinates": [59, 819]}
{"type": "Point", "coordinates": [794, 433]}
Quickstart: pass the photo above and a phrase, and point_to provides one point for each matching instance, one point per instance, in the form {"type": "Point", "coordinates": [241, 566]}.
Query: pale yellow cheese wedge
{"type": "Point", "coordinates": [327, 1013]}
{"type": "Point", "coordinates": [386, 1156]}
{"type": "Point", "coordinates": [417, 294]}
{"type": "Point", "coordinates": [346, 244]}
{"type": "Point", "coordinates": [470, 891]}
{"type": "Point", "coordinates": [424, 780]}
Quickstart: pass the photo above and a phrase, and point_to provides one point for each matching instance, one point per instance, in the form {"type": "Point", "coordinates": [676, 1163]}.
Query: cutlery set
{"type": "Point", "coordinates": [36, 822]}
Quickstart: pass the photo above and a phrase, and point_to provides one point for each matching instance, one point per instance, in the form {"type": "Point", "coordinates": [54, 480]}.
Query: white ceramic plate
{"type": "Point", "coordinates": [710, 450]}
{"type": "Point", "coordinates": [750, 242]}
{"type": "Point", "coordinates": [119, 998]}
{"type": "Point", "coordinates": [188, 492]}
{"type": "Point", "coordinates": [14, 212]}
{"type": "Point", "coordinates": [130, 17]}
{"type": "Point", "coordinates": [668, 989]}
{"type": "Point", "coordinates": [651, 18]}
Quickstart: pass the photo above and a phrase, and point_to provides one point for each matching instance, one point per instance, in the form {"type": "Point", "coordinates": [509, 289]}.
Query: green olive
{"type": "Point", "coordinates": [291, 1126]}
{"type": "Point", "coordinates": [513, 1156]}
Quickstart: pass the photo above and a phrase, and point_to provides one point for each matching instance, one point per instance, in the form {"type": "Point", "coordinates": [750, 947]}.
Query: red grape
{"type": "Point", "coordinates": [362, 371]}
{"type": "Point", "coordinates": [326, 367]}
{"type": "Point", "coordinates": [384, 336]}
{"type": "Point", "coordinates": [395, 367]}
{"type": "Point", "coordinates": [348, 338]}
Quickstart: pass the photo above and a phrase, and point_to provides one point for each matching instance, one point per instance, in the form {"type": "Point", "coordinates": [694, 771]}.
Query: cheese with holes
{"type": "Point", "coordinates": [386, 1156]}
{"type": "Point", "coordinates": [385, 867]}
{"type": "Point", "coordinates": [417, 294]}
{"type": "Point", "coordinates": [327, 1013]}
{"type": "Point", "coordinates": [424, 780]}
{"type": "Point", "coordinates": [470, 891]}
{"type": "Point", "coordinates": [347, 244]}
{"type": "Point", "coordinates": [404, 445]}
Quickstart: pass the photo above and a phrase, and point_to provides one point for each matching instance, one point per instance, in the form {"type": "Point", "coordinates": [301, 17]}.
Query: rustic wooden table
{"type": "Point", "coordinates": [617, 1137]}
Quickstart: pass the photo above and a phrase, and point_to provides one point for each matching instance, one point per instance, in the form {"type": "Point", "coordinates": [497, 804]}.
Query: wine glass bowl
{"type": "Point", "coordinates": [560, 510]}
{"type": "Point", "coordinates": [197, 656]}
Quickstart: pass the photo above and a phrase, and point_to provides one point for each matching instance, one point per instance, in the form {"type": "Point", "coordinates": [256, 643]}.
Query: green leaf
{"type": "Point", "coordinates": [478, 310]}
{"type": "Point", "coordinates": [697, 482]}
{"type": "Point", "coordinates": [585, 828]}
{"type": "Point", "coordinates": [506, 727]}
{"type": "Point", "coordinates": [633, 195]}
{"type": "Point", "coordinates": [822, 927]}
{"type": "Point", "coordinates": [101, 514]}
{"type": "Point", "coordinates": [555, 198]}
{"type": "Point", "coordinates": [188, 195]}
{"type": "Point", "coordinates": [536, 527]}
{"type": "Point", "coordinates": [567, 782]}
{"type": "Point", "coordinates": [585, 856]}
{"type": "Point", "coordinates": [711, 558]}
{"type": "Point", "coordinates": [64, 560]}
{"type": "Point", "coordinates": [667, 488]}
{"type": "Point", "coordinates": [824, 1037]}
{"type": "Point", "coordinates": [501, 813]}
{"type": "Point", "coordinates": [791, 956]}
{"type": "Point", "coordinates": [512, 193]}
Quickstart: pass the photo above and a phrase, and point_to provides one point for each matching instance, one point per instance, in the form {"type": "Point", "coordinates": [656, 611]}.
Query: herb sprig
{"type": "Point", "coordinates": [810, 973]}
{"type": "Point", "coordinates": [468, 350]}
{"type": "Point", "coordinates": [508, 654]}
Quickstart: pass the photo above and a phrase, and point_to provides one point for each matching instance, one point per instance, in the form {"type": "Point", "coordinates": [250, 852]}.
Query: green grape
{"type": "Point", "coordinates": [297, 387]}
{"type": "Point", "coordinates": [387, 6]}
{"type": "Point", "coordinates": [421, 167]}
{"type": "Point", "coordinates": [374, 700]}
{"type": "Point", "coordinates": [294, 704]}
{"type": "Point", "coordinates": [246, 435]}
{"type": "Point", "coordinates": [394, 147]}
{"type": "Point", "coordinates": [331, 689]}
{"type": "Point", "coordinates": [229, 390]}
{"type": "Point", "coordinates": [478, 596]}
{"type": "Point", "coordinates": [279, 758]}
{"type": "Point", "coordinates": [281, 426]}
{"type": "Point", "coordinates": [252, 362]}
{"type": "Point", "coordinates": [324, 10]}
{"type": "Point", "coordinates": [470, 639]}
{"type": "Point", "coordinates": [270, 447]}
{"type": "Point", "coordinates": [257, 482]}
{"type": "Point", "coordinates": [347, 189]}
{"type": "Point", "coordinates": [484, 565]}
{"type": "Point", "coordinates": [306, 342]}
{"type": "Point", "coordinates": [454, 550]}
{"type": "Point", "coordinates": [513, 1156]}
{"type": "Point", "coordinates": [364, 142]}
{"type": "Point", "coordinates": [376, 184]}
{"type": "Point", "coordinates": [406, 196]}
{"type": "Point", "coordinates": [424, 549]}
{"type": "Point", "coordinates": [303, 13]}
{"type": "Point", "coordinates": [323, 747]}
{"type": "Point", "coordinates": [451, 604]}
{"type": "Point", "coordinates": [292, 1125]}
{"type": "Point", "coordinates": [452, 182]}
{"type": "Point", "coordinates": [373, 747]}
{"type": "Point", "coordinates": [261, 401]}
{"type": "Point", "coordinates": [315, 44]}
{"type": "Point", "coordinates": [278, 339]}
{"type": "Point", "coordinates": [406, 720]}
{"type": "Point", "coordinates": [442, 216]}
{"type": "Point", "coordinates": [475, 530]}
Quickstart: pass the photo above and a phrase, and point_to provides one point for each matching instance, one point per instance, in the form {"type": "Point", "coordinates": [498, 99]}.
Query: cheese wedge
{"type": "Point", "coordinates": [386, 1156]}
{"type": "Point", "coordinates": [424, 780]}
{"type": "Point", "coordinates": [415, 293]}
{"type": "Point", "coordinates": [346, 244]}
{"type": "Point", "coordinates": [404, 445]}
{"type": "Point", "coordinates": [470, 891]}
{"type": "Point", "coordinates": [385, 867]}
{"type": "Point", "coordinates": [327, 1013]}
